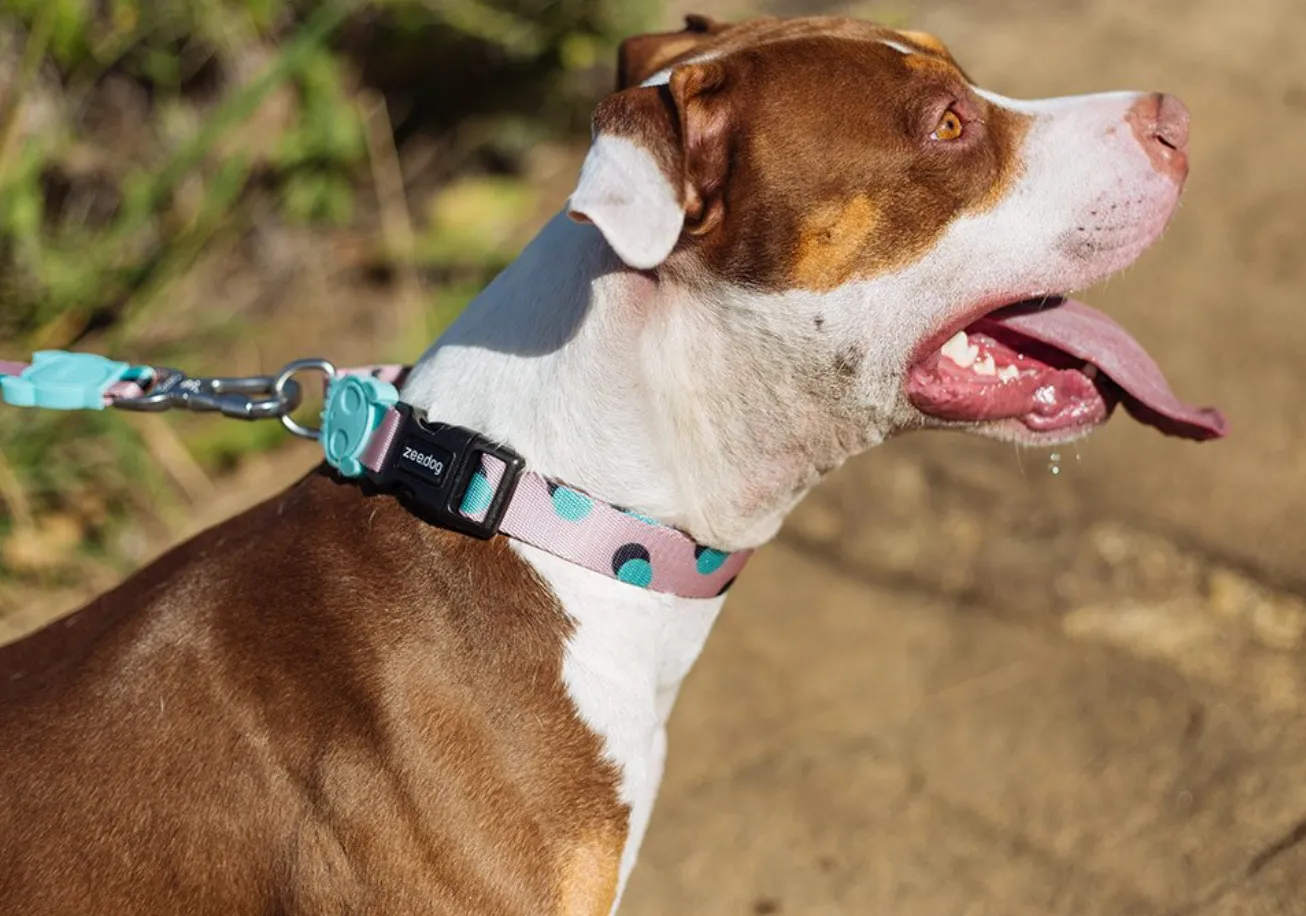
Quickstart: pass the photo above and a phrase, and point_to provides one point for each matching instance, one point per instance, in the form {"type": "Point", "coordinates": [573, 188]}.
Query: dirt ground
{"type": "Point", "coordinates": [961, 684]}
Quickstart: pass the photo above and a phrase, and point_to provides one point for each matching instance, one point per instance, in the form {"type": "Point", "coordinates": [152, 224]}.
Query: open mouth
{"type": "Point", "coordinates": [1055, 367]}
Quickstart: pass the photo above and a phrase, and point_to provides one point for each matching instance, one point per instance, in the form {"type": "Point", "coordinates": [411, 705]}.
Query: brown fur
{"type": "Point", "coordinates": [640, 57]}
{"type": "Point", "coordinates": [807, 158]}
{"type": "Point", "coordinates": [310, 709]}
{"type": "Point", "coordinates": [829, 240]}
{"type": "Point", "coordinates": [925, 41]}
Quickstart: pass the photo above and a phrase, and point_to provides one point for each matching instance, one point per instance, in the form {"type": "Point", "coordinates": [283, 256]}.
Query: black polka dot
{"type": "Point", "coordinates": [725, 588]}
{"type": "Point", "coordinates": [627, 552]}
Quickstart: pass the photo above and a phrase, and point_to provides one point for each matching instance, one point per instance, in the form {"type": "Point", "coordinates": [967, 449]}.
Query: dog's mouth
{"type": "Point", "coordinates": [1050, 370]}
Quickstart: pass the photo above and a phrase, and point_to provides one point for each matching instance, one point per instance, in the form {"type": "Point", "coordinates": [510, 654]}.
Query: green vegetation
{"type": "Point", "coordinates": [157, 154]}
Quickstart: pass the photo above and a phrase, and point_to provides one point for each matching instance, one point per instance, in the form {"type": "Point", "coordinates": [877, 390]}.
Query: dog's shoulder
{"type": "Point", "coordinates": [294, 572]}
{"type": "Point", "coordinates": [324, 648]}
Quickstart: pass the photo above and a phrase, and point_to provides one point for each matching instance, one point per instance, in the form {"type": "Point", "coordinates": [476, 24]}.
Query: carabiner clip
{"type": "Point", "coordinates": [255, 397]}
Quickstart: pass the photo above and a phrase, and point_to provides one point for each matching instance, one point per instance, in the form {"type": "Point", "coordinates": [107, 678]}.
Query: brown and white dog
{"type": "Point", "coordinates": [788, 243]}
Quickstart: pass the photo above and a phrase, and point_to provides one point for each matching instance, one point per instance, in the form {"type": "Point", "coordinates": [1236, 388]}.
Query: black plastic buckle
{"type": "Point", "coordinates": [433, 463]}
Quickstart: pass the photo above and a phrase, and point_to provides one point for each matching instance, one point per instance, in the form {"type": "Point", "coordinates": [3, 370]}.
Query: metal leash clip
{"type": "Point", "coordinates": [255, 397]}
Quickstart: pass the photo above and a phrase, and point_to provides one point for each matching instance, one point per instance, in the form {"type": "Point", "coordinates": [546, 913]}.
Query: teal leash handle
{"type": "Point", "coordinates": [59, 380]}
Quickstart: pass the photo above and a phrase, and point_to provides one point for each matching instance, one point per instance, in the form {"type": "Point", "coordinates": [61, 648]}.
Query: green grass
{"type": "Point", "coordinates": [143, 140]}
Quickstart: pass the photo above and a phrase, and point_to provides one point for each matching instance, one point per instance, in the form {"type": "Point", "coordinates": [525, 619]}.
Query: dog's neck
{"type": "Point", "coordinates": [636, 390]}
{"type": "Point", "coordinates": [679, 403]}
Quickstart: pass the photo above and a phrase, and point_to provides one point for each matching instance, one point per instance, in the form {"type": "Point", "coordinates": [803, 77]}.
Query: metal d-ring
{"type": "Point", "coordinates": [283, 380]}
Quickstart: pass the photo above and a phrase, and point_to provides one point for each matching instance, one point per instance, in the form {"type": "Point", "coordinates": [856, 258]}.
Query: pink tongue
{"type": "Point", "coordinates": [1087, 334]}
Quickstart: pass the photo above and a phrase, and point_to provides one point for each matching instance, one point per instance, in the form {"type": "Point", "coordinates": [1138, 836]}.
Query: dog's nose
{"type": "Point", "coordinates": [1160, 123]}
{"type": "Point", "coordinates": [1172, 122]}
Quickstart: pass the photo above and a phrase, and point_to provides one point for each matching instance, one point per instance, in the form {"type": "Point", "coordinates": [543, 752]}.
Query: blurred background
{"type": "Point", "coordinates": [966, 679]}
{"type": "Point", "coordinates": [224, 185]}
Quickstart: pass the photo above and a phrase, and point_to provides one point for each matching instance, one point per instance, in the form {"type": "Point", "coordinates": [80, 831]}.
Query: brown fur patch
{"type": "Point", "coordinates": [810, 162]}
{"type": "Point", "coordinates": [929, 64]}
{"type": "Point", "coordinates": [321, 706]}
{"type": "Point", "coordinates": [829, 241]}
{"type": "Point", "coordinates": [867, 140]}
{"type": "Point", "coordinates": [590, 871]}
{"type": "Point", "coordinates": [1008, 131]}
{"type": "Point", "coordinates": [640, 57]}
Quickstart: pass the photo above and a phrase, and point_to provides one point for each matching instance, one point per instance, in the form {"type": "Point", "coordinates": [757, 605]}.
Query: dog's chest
{"type": "Point", "coordinates": [623, 667]}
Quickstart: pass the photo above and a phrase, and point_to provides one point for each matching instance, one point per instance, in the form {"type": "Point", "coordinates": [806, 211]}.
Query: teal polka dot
{"type": "Point", "coordinates": [636, 572]}
{"type": "Point", "coordinates": [478, 496]}
{"type": "Point", "coordinates": [571, 505]}
{"type": "Point", "coordinates": [709, 560]}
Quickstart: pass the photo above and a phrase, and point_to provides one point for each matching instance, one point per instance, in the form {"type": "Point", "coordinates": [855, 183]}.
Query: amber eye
{"type": "Point", "coordinates": [949, 128]}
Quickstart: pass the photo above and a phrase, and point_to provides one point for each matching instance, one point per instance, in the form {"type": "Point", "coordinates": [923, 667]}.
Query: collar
{"type": "Point", "coordinates": [459, 479]}
{"type": "Point", "coordinates": [449, 476]}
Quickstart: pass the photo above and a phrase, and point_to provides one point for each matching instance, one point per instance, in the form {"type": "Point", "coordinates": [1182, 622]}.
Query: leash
{"type": "Point", "coordinates": [449, 476]}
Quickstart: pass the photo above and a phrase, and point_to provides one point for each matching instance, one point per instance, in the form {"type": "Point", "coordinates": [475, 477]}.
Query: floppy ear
{"type": "Point", "coordinates": [657, 163]}
{"type": "Point", "coordinates": [644, 55]}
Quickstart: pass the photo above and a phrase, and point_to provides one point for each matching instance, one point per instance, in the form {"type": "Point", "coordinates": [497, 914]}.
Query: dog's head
{"type": "Point", "coordinates": [846, 189]}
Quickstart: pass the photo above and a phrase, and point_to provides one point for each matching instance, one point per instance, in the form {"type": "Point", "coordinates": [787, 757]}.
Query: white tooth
{"type": "Point", "coordinates": [1090, 370]}
{"type": "Point", "coordinates": [958, 350]}
{"type": "Point", "coordinates": [986, 366]}
{"type": "Point", "coordinates": [1007, 373]}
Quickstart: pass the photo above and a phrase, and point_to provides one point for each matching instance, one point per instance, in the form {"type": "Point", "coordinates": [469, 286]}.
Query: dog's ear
{"type": "Point", "coordinates": [657, 164]}
{"type": "Point", "coordinates": [644, 55]}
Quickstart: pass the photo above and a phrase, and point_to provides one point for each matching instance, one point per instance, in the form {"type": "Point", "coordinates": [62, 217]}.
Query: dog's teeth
{"type": "Point", "coordinates": [1007, 373]}
{"type": "Point", "coordinates": [1090, 370]}
{"type": "Point", "coordinates": [960, 351]}
{"type": "Point", "coordinates": [986, 366]}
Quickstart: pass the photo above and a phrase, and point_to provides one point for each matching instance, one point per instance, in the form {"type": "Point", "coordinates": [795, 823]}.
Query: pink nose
{"type": "Point", "coordinates": [1160, 122]}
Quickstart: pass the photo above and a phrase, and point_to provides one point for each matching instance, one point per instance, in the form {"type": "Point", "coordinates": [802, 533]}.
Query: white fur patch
{"type": "Point", "coordinates": [897, 46]}
{"type": "Point", "coordinates": [663, 77]}
{"type": "Point", "coordinates": [623, 669]}
{"type": "Point", "coordinates": [629, 198]}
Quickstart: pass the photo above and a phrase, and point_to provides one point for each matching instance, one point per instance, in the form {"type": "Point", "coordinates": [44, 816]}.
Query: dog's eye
{"type": "Point", "coordinates": [950, 126]}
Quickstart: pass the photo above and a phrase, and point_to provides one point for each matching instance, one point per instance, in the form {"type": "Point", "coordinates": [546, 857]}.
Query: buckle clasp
{"type": "Point", "coordinates": [433, 465]}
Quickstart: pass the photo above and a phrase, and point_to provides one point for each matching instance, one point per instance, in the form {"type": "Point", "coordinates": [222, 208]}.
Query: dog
{"type": "Point", "coordinates": [789, 241]}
